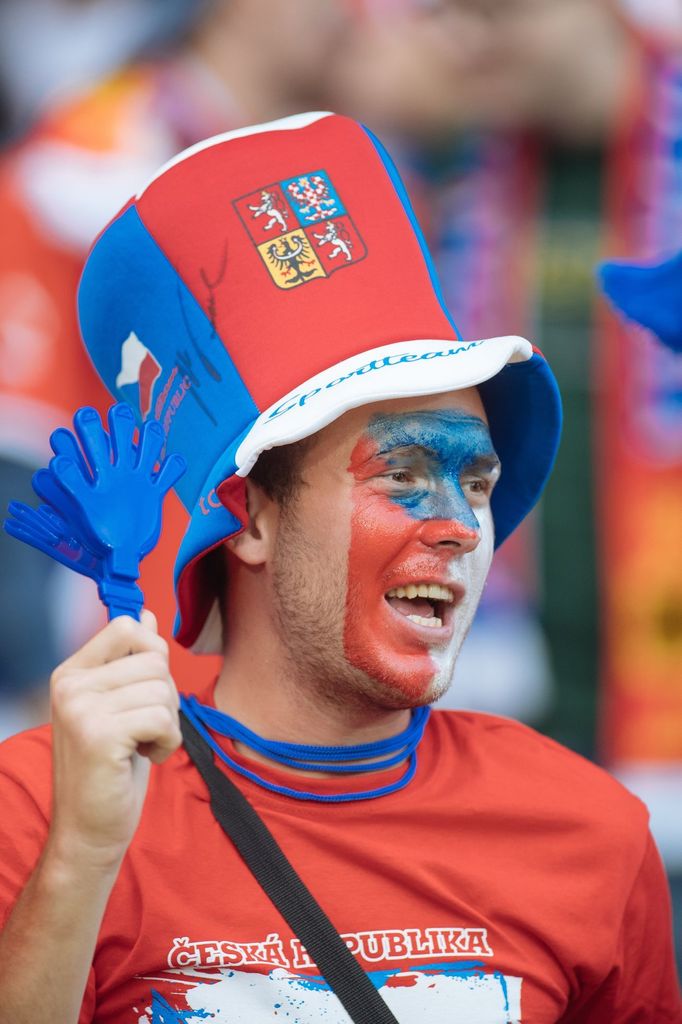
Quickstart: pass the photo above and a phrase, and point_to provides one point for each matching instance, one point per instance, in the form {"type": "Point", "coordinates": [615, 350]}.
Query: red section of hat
{"type": "Point", "coordinates": [232, 494]}
{"type": "Point", "coordinates": [280, 336]}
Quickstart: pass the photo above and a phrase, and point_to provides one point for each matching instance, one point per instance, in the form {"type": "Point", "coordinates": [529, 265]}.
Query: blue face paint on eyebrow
{"type": "Point", "coordinates": [447, 442]}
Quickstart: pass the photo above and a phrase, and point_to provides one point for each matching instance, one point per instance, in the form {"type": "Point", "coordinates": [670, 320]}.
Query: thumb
{"type": "Point", "coordinates": [148, 619]}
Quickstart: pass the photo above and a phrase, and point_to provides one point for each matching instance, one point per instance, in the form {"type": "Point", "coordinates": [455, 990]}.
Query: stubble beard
{"type": "Point", "coordinates": [309, 599]}
{"type": "Point", "coordinates": [309, 606]}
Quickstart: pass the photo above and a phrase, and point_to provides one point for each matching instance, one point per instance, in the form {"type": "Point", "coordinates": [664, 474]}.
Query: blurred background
{"type": "Point", "coordinates": [536, 137]}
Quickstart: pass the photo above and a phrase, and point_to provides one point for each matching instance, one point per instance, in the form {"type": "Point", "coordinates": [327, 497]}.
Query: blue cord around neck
{"type": "Point", "coordinates": [378, 755]}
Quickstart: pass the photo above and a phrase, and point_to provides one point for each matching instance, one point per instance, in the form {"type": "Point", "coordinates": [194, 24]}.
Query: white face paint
{"type": "Point", "coordinates": [471, 572]}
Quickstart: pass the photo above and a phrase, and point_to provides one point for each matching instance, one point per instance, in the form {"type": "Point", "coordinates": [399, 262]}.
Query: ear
{"type": "Point", "coordinates": [255, 543]}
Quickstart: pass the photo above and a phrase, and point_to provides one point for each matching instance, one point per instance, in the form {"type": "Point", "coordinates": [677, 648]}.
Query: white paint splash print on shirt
{"type": "Point", "coordinates": [456, 987]}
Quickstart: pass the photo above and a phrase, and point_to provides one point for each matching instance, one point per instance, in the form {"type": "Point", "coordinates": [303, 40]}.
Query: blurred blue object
{"type": "Point", "coordinates": [650, 294]}
{"type": "Point", "coordinates": [45, 530]}
{"type": "Point", "coordinates": [103, 502]}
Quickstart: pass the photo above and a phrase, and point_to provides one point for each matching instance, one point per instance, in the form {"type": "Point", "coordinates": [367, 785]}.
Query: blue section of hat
{"type": "Point", "coordinates": [211, 522]}
{"type": "Point", "coordinates": [523, 406]}
{"type": "Point", "coordinates": [141, 324]}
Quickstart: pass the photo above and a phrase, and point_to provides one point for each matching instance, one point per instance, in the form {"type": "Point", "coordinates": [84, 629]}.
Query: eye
{"type": "Point", "coordinates": [478, 487]}
{"type": "Point", "coordinates": [401, 476]}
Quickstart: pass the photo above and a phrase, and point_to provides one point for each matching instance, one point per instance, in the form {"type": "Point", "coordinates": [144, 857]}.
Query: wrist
{"type": "Point", "coordinates": [69, 857]}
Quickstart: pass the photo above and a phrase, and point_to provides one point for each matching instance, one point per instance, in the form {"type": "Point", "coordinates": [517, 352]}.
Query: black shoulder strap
{"type": "Point", "coordinates": [271, 869]}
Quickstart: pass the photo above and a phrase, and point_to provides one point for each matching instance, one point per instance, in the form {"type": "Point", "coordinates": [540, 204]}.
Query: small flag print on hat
{"type": "Point", "coordinates": [301, 229]}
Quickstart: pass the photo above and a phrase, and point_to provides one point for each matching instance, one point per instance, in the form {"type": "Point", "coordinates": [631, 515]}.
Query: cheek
{"type": "Point", "coordinates": [380, 527]}
{"type": "Point", "coordinates": [379, 530]}
{"type": "Point", "coordinates": [382, 539]}
{"type": "Point", "coordinates": [476, 566]}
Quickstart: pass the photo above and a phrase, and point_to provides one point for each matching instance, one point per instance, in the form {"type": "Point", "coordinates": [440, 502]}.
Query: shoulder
{"type": "Point", "coordinates": [24, 748]}
{"type": "Point", "coordinates": [507, 761]}
{"type": "Point", "coordinates": [25, 798]}
{"type": "Point", "coordinates": [26, 766]}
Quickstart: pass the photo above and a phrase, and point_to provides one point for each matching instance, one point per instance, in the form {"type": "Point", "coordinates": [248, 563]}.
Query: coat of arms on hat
{"type": "Point", "coordinates": [301, 229]}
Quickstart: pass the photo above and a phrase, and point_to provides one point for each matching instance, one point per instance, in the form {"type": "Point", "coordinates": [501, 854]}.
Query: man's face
{"type": "Point", "coordinates": [381, 559]}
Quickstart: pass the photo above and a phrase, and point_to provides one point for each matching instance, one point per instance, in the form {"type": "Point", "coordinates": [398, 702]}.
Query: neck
{"type": "Point", "coordinates": [260, 687]}
{"type": "Point", "coordinates": [268, 700]}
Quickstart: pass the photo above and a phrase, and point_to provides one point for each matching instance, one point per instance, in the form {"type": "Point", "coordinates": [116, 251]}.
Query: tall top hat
{"type": "Point", "coordinates": [263, 283]}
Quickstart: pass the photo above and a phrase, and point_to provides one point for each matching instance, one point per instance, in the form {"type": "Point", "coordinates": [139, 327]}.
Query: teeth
{"type": "Point", "coordinates": [431, 590]}
{"type": "Point", "coordinates": [434, 622]}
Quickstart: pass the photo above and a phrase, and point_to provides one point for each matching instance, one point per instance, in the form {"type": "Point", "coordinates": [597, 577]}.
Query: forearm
{"type": "Point", "coordinates": [48, 943]}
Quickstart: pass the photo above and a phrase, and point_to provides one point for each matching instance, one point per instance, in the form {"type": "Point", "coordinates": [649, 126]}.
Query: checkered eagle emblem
{"type": "Point", "coordinates": [301, 229]}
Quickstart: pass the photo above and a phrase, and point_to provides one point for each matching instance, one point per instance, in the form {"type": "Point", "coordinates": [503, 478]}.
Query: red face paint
{"type": "Point", "coordinates": [389, 549]}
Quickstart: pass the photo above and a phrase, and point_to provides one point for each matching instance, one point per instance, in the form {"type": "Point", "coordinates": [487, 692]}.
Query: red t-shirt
{"type": "Point", "coordinates": [510, 881]}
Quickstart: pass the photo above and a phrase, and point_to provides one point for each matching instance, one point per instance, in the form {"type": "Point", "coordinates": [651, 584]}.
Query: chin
{"type": "Point", "coordinates": [389, 695]}
{"type": "Point", "coordinates": [405, 683]}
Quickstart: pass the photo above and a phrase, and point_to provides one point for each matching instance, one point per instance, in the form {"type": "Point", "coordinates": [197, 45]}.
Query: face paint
{"type": "Point", "coordinates": [420, 518]}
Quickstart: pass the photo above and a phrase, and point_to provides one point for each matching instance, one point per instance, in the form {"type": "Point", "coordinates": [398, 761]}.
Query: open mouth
{"type": "Point", "coordinates": [426, 604]}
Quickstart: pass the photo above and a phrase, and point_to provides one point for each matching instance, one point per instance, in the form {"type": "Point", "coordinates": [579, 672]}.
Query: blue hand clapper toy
{"type": "Point", "coordinates": [103, 494]}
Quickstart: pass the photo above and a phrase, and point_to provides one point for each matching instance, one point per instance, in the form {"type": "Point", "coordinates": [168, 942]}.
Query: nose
{"type": "Point", "coordinates": [451, 532]}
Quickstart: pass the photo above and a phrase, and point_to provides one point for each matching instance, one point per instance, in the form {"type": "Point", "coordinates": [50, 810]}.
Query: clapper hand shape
{"type": "Point", "coordinates": [45, 530]}
{"type": "Point", "coordinates": [103, 499]}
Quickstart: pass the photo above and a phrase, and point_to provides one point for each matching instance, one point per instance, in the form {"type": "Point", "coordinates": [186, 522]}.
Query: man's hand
{"type": "Point", "coordinates": [114, 709]}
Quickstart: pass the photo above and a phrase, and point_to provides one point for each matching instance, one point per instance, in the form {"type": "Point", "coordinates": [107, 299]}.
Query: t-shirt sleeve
{"type": "Point", "coordinates": [642, 986]}
{"type": "Point", "coordinates": [25, 780]}
{"type": "Point", "coordinates": [25, 788]}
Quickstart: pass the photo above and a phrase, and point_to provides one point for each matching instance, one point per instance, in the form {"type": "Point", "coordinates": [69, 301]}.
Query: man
{"type": "Point", "coordinates": [352, 463]}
